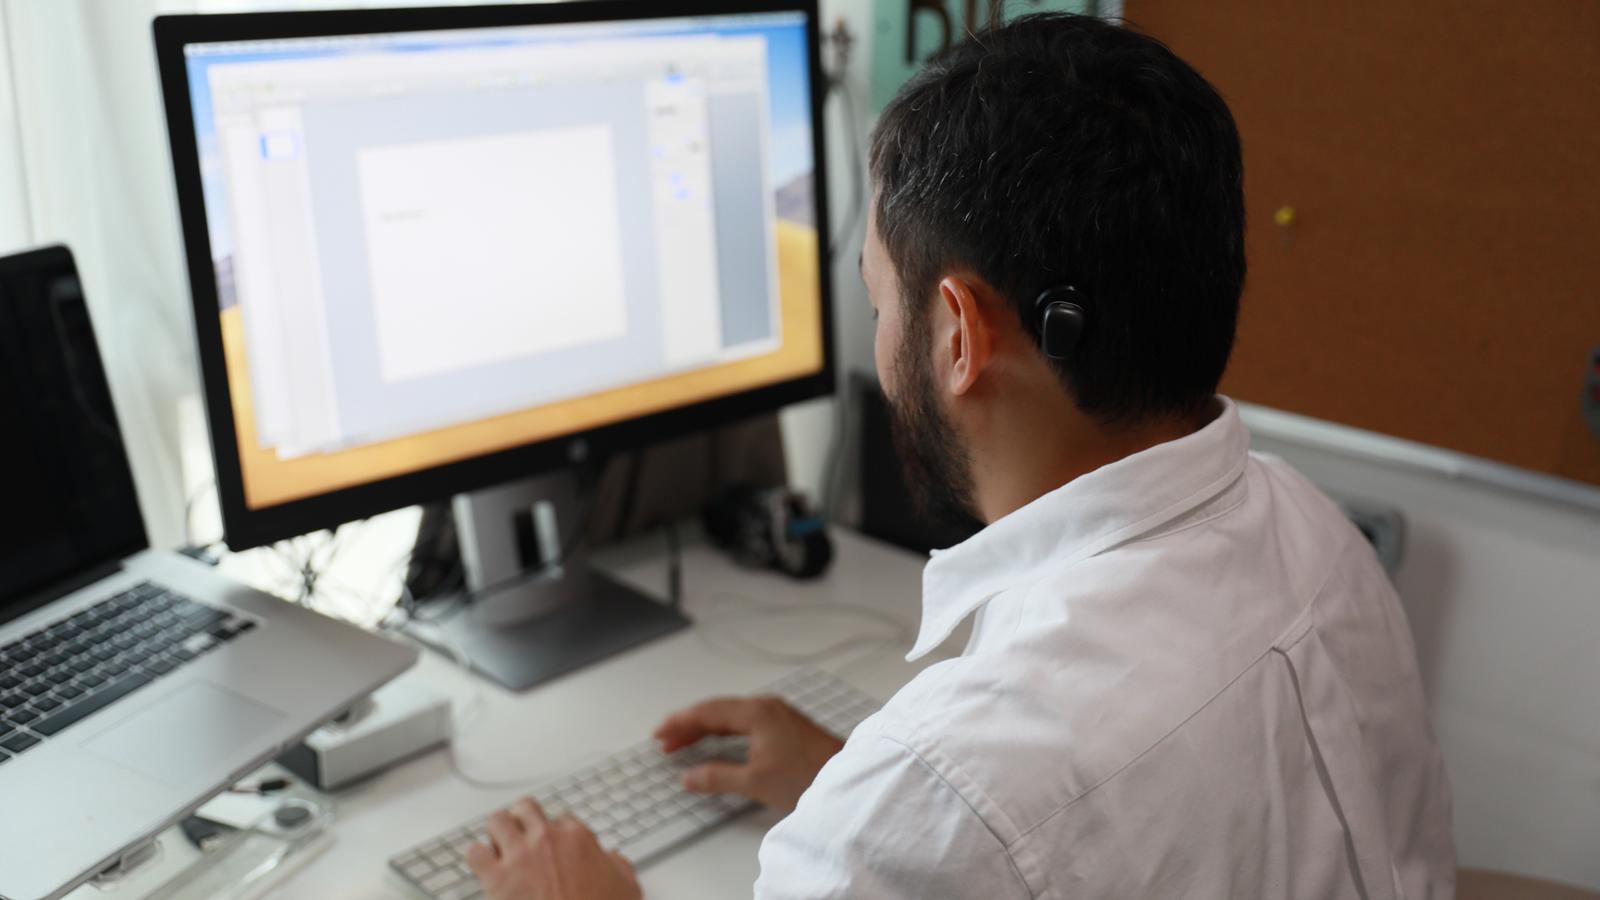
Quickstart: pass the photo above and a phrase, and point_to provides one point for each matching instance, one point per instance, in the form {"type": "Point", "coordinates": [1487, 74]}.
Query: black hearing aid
{"type": "Point", "coordinates": [1061, 320]}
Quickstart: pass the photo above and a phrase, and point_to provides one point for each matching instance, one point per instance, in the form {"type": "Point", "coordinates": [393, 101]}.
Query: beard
{"type": "Point", "coordinates": [936, 466]}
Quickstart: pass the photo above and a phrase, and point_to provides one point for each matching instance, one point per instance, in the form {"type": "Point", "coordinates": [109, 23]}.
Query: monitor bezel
{"type": "Point", "coordinates": [245, 527]}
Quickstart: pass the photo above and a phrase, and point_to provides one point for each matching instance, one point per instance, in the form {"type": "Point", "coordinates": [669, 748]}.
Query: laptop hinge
{"type": "Point", "coordinates": [19, 608]}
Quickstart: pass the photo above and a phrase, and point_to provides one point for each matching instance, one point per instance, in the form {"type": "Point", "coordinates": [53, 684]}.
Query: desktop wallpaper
{"type": "Point", "coordinates": [271, 478]}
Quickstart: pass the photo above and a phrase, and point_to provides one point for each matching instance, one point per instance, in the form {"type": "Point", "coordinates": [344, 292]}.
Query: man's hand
{"type": "Point", "coordinates": [529, 857]}
{"type": "Point", "coordinates": [787, 750]}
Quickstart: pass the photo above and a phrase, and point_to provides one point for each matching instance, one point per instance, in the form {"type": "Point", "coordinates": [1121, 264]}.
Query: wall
{"type": "Point", "coordinates": [1502, 589]}
{"type": "Point", "coordinates": [808, 427]}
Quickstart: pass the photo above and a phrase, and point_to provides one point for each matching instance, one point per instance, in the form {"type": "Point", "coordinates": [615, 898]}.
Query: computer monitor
{"type": "Point", "coordinates": [434, 250]}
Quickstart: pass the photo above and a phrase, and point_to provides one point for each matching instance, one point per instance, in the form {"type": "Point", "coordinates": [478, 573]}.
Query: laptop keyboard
{"type": "Point", "coordinates": [63, 673]}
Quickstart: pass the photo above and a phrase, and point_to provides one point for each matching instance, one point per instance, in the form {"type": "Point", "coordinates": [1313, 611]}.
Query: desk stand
{"type": "Point", "coordinates": [520, 631]}
{"type": "Point", "coordinates": [522, 636]}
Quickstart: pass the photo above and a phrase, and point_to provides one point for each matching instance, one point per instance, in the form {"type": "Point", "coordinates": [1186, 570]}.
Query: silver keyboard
{"type": "Point", "coordinates": [633, 800]}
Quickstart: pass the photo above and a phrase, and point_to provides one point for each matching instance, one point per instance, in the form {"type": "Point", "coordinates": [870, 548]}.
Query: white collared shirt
{"type": "Point", "coordinates": [1189, 678]}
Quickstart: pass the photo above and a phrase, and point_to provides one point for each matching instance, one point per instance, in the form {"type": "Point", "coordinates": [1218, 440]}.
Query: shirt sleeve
{"type": "Point", "coordinates": [880, 822]}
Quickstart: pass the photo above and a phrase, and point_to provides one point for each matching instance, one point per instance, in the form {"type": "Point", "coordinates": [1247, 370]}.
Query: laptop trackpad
{"type": "Point", "coordinates": [187, 733]}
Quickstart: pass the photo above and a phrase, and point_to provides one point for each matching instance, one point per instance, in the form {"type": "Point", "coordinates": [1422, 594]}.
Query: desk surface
{"type": "Point", "coordinates": [745, 621]}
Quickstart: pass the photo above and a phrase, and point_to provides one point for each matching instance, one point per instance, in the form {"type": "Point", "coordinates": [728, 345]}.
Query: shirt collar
{"type": "Point", "coordinates": [1083, 517]}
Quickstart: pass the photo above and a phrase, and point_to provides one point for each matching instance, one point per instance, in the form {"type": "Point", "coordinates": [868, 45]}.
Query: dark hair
{"type": "Point", "coordinates": [1061, 149]}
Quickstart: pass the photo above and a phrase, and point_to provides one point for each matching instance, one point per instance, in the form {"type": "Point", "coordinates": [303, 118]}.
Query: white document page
{"type": "Point", "coordinates": [488, 249]}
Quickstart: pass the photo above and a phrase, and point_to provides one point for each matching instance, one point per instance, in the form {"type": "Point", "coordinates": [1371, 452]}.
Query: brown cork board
{"type": "Point", "coordinates": [1441, 279]}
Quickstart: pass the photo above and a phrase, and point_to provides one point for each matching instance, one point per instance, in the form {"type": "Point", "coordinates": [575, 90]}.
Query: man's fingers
{"type": "Point", "coordinates": [530, 816]}
{"type": "Point", "coordinates": [717, 778]}
{"type": "Point", "coordinates": [572, 826]}
{"type": "Point", "coordinates": [723, 715]}
{"type": "Point", "coordinates": [504, 831]}
{"type": "Point", "coordinates": [481, 860]}
{"type": "Point", "coordinates": [625, 866]}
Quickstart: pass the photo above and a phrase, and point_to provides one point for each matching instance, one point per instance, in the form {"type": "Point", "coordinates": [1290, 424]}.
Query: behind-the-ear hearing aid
{"type": "Point", "coordinates": [1061, 317]}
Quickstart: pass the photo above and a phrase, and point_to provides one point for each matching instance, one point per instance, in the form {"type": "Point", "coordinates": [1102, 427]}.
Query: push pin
{"type": "Point", "coordinates": [1285, 219]}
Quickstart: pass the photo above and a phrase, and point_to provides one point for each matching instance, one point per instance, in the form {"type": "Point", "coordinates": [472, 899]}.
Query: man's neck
{"type": "Point", "coordinates": [1024, 463]}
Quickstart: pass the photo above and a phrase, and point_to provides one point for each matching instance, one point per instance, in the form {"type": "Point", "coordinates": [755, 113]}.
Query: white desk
{"type": "Point", "coordinates": [550, 729]}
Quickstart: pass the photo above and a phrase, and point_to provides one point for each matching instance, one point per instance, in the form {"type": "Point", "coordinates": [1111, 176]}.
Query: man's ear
{"type": "Point", "coordinates": [967, 333]}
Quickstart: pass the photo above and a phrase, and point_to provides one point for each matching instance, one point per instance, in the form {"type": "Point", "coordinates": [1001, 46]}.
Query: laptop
{"type": "Point", "coordinates": [134, 684]}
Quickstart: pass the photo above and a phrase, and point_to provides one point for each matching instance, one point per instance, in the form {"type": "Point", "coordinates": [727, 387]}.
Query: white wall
{"type": "Point", "coordinates": [1503, 592]}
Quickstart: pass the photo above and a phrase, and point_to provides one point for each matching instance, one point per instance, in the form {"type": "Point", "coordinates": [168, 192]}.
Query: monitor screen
{"type": "Point", "coordinates": [432, 245]}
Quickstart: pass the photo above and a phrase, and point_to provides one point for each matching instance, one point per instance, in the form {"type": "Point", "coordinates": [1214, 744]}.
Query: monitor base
{"type": "Point", "coordinates": [553, 625]}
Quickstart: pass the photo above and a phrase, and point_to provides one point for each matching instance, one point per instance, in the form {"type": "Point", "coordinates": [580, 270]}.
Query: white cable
{"type": "Point", "coordinates": [894, 633]}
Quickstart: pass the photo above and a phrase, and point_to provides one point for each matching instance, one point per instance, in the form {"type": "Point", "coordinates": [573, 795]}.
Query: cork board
{"type": "Point", "coordinates": [1440, 280]}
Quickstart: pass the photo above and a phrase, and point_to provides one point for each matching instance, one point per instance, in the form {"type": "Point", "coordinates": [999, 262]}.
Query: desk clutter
{"type": "Point", "coordinates": [238, 846]}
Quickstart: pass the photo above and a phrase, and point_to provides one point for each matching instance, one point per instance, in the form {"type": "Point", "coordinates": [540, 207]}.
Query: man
{"type": "Point", "coordinates": [1188, 675]}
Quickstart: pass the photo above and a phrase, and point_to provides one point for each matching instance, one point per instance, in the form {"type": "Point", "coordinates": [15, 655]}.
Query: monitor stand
{"type": "Point", "coordinates": [521, 630]}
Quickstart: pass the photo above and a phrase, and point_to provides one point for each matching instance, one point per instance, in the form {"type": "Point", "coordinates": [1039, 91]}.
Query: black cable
{"type": "Point", "coordinates": [630, 495]}
{"type": "Point", "coordinates": [674, 567]}
{"type": "Point", "coordinates": [265, 786]}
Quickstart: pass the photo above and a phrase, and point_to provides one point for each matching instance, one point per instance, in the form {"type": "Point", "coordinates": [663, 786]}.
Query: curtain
{"type": "Point", "coordinates": [83, 162]}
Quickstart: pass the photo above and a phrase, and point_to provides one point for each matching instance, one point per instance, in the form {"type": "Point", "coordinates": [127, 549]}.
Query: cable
{"type": "Point", "coordinates": [210, 485]}
{"type": "Point", "coordinates": [630, 494]}
{"type": "Point", "coordinates": [857, 165]}
{"type": "Point", "coordinates": [896, 633]}
{"type": "Point", "coordinates": [674, 567]}
{"type": "Point", "coordinates": [833, 465]}
{"type": "Point", "coordinates": [265, 786]}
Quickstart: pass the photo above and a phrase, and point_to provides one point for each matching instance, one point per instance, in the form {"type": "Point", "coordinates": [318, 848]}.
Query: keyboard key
{"type": "Point", "coordinates": [91, 704]}
{"type": "Point", "coordinates": [18, 742]}
{"type": "Point", "coordinates": [4, 756]}
{"type": "Point", "coordinates": [438, 881]}
{"type": "Point", "coordinates": [652, 842]}
{"type": "Point", "coordinates": [46, 704]}
{"type": "Point", "coordinates": [199, 643]}
{"type": "Point", "coordinates": [23, 716]}
{"type": "Point", "coordinates": [202, 616]}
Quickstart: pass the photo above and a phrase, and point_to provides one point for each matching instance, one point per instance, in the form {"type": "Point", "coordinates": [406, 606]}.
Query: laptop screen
{"type": "Point", "coordinates": [69, 504]}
